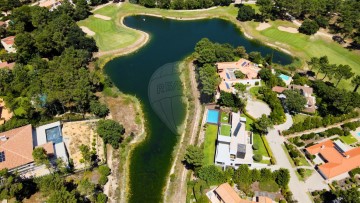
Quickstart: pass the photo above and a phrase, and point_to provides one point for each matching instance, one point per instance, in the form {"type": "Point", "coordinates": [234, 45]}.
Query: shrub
{"type": "Point", "coordinates": [104, 170]}
{"type": "Point", "coordinates": [354, 172]}
{"type": "Point", "coordinates": [103, 180]}
{"type": "Point", "coordinates": [99, 109]}
{"type": "Point", "coordinates": [309, 27]}
{"type": "Point", "coordinates": [255, 146]}
{"type": "Point", "coordinates": [257, 157]}
{"type": "Point", "coordinates": [257, 83]}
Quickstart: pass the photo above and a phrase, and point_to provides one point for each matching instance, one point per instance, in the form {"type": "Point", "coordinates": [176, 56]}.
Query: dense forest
{"type": "Point", "coordinates": [51, 75]}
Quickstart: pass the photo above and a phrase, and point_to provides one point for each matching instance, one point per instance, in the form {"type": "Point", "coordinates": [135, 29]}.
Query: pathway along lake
{"type": "Point", "coordinates": [170, 41]}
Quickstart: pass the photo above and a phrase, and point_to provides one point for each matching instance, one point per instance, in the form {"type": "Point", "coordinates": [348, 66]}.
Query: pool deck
{"type": "Point", "coordinates": [355, 133]}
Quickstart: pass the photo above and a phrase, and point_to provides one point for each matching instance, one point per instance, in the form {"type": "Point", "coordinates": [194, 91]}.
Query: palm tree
{"type": "Point", "coordinates": [356, 82]}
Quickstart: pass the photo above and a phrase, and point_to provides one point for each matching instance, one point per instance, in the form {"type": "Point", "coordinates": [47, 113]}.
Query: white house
{"type": "Point", "coordinates": [8, 44]}
{"type": "Point", "coordinates": [234, 148]}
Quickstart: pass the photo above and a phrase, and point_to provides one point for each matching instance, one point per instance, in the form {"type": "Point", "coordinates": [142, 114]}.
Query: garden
{"type": "Point", "coordinates": [209, 143]}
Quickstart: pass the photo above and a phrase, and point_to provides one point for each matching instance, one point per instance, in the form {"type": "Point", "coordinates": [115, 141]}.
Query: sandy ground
{"type": "Point", "coordinates": [87, 31]}
{"type": "Point", "coordinates": [263, 26]}
{"type": "Point", "coordinates": [102, 17]}
{"type": "Point", "coordinates": [6, 114]}
{"type": "Point", "coordinates": [78, 133]}
{"type": "Point", "coordinates": [288, 29]}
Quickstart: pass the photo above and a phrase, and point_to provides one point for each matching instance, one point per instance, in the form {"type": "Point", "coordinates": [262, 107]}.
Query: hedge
{"type": "Point", "coordinates": [317, 122]}
{"type": "Point", "coordinates": [268, 149]}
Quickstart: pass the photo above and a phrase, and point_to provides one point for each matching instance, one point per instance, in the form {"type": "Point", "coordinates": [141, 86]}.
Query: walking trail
{"type": "Point", "coordinates": [180, 195]}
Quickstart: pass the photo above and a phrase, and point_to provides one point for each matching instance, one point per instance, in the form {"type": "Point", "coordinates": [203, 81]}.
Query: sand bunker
{"type": "Point", "coordinates": [102, 17]}
{"type": "Point", "coordinates": [87, 31]}
{"type": "Point", "coordinates": [263, 26]}
{"type": "Point", "coordinates": [288, 29]}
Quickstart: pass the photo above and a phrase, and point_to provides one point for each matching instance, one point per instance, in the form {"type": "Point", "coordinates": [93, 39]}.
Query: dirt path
{"type": "Point", "coordinates": [317, 130]}
{"type": "Point", "coordinates": [180, 195]}
{"type": "Point", "coordinates": [102, 17]}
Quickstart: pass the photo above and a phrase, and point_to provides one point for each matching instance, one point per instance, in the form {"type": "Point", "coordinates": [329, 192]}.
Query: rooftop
{"type": "Point", "coordinates": [9, 40]}
{"type": "Point", "coordinates": [338, 157]}
{"type": "Point", "coordinates": [16, 145]}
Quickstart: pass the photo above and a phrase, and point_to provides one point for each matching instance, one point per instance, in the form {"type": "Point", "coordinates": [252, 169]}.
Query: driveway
{"type": "Point", "coordinates": [257, 108]}
{"type": "Point", "coordinates": [297, 187]}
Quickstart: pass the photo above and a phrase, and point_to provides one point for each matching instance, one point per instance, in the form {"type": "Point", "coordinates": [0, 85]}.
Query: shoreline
{"type": "Point", "coordinates": [106, 56]}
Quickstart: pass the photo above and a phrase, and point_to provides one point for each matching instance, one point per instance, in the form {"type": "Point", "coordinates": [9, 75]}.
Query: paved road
{"type": "Point", "coordinates": [298, 188]}
{"type": "Point", "coordinates": [257, 108]}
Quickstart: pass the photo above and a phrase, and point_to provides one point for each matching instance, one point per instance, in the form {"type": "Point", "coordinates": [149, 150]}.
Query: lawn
{"type": "Point", "coordinates": [209, 143]}
{"type": "Point", "coordinates": [224, 117]}
{"type": "Point", "coordinates": [225, 130]}
{"type": "Point", "coordinates": [249, 121]}
{"type": "Point", "coordinates": [254, 91]}
{"type": "Point", "coordinates": [298, 118]}
{"type": "Point", "coordinates": [269, 186]}
{"type": "Point", "coordinates": [308, 173]}
{"type": "Point", "coordinates": [262, 150]}
{"type": "Point", "coordinates": [348, 139]}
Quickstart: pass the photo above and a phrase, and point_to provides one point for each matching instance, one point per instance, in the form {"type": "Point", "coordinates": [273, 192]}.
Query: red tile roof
{"type": "Point", "coordinates": [279, 89]}
{"type": "Point", "coordinates": [9, 40]}
{"type": "Point", "coordinates": [337, 162]}
{"type": "Point", "coordinates": [17, 147]}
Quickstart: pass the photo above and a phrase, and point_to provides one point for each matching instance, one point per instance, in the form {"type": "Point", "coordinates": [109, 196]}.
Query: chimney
{"type": "Point", "coordinates": [347, 156]}
{"type": "Point", "coordinates": [322, 146]}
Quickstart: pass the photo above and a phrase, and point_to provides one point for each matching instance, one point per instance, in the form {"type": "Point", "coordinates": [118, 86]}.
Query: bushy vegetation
{"type": "Point", "coordinates": [111, 132]}
{"type": "Point", "coordinates": [181, 4]}
{"type": "Point", "coordinates": [316, 122]}
{"type": "Point", "coordinates": [309, 27]}
{"type": "Point", "coordinates": [297, 157]}
{"type": "Point", "coordinates": [277, 114]}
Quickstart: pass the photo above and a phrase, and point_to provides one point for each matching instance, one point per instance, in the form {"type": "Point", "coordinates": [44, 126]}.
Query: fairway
{"type": "Point", "coordinates": [209, 144]}
{"type": "Point", "coordinates": [305, 46]}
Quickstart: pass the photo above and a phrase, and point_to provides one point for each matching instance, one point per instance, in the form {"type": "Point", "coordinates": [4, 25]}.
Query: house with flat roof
{"type": "Point", "coordinates": [224, 193]}
{"type": "Point", "coordinates": [17, 145]}
{"type": "Point", "coordinates": [337, 158]}
{"type": "Point", "coordinates": [8, 44]}
{"type": "Point", "coordinates": [228, 74]}
{"type": "Point", "coordinates": [234, 143]}
{"type": "Point", "coordinates": [306, 91]}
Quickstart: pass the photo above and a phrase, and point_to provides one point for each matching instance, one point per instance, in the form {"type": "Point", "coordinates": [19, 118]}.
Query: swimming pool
{"type": "Point", "coordinates": [53, 135]}
{"type": "Point", "coordinates": [284, 77]}
{"type": "Point", "coordinates": [212, 116]}
{"type": "Point", "coordinates": [358, 134]}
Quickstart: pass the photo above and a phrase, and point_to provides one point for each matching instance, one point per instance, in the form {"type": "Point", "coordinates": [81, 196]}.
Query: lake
{"type": "Point", "coordinates": [170, 41]}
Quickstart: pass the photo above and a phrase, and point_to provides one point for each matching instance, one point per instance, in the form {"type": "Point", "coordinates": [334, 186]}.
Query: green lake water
{"type": "Point", "coordinates": [170, 41]}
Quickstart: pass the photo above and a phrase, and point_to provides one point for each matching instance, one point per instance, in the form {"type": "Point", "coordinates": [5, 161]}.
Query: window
{"type": "Point", "coordinates": [2, 156]}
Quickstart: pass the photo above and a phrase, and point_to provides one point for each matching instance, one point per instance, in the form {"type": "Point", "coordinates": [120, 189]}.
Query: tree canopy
{"type": "Point", "coordinates": [194, 157]}
{"type": "Point", "coordinates": [111, 132]}
{"type": "Point", "coordinates": [294, 101]}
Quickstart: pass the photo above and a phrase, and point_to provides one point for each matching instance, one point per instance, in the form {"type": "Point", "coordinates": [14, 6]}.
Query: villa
{"type": "Point", "coordinates": [50, 4]}
{"type": "Point", "coordinates": [306, 91]}
{"type": "Point", "coordinates": [224, 193]}
{"type": "Point", "coordinates": [334, 158]}
{"type": "Point", "coordinates": [8, 44]}
{"type": "Point", "coordinates": [229, 77]}
{"type": "Point", "coordinates": [17, 145]}
{"type": "Point", "coordinates": [234, 143]}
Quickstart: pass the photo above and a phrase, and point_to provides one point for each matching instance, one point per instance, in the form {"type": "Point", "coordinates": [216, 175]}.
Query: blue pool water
{"type": "Point", "coordinates": [284, 77]}
{"type": "Point", "coordinates": [212, 116]}
{"type": "Point", "coordinates": [53, 135]}
{"type": "Point", "coordinates": [358, 134]}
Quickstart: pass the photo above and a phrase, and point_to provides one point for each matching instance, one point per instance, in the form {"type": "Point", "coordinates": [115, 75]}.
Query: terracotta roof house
{"type": "Point", "coordinates": [8, 44]}
{"type": "Point", "coordinates": [7, 65]}
{"type": "Point", "coordinates": [226, 194]}
{"type": "Point", "coordinates": [338, 158]}
{"type": "Point", "coordinates": [17, 145]}
{"type": "Point", "coordinates": [306, 91]}
{"type": "Point", "coordinates": [227, 70]}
